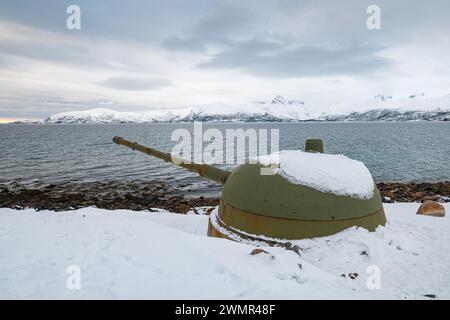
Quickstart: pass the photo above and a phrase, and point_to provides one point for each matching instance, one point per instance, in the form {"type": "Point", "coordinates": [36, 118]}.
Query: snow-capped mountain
{"type": "Point", "coordinates": [379, 108]}
{"type": "Point", "coordinates": [279, 109]}
{"type": "Point", "coordinates": [392, 115]}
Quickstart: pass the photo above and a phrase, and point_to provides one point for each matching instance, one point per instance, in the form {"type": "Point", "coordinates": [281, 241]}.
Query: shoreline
{"type": "Point", "coordinates": [145, 195]}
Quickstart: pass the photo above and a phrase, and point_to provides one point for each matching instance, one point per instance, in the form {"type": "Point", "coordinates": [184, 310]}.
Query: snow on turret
{"type": "Point", "coordinates": [329, 173]}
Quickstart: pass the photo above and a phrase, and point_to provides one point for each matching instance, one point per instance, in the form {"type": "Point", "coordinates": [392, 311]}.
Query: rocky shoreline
{"type": "Point", "coordinates": [144, 195]}
{"type": "Point", "coordinates": [415, 192]}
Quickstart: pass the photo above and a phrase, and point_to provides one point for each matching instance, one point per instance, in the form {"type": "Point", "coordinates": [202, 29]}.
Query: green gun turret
{"type": "Point", "coordinates": [261, 207]}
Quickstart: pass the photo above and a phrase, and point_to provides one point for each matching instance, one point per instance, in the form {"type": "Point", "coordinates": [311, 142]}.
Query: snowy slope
{"type": "Point", "coordinates": [413, 107]}
{"type": "Point", "coordinates": [124, 254]}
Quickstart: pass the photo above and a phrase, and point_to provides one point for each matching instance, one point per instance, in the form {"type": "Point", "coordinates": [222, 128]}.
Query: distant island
{"type": "Point", "coordinates": [415, 107]}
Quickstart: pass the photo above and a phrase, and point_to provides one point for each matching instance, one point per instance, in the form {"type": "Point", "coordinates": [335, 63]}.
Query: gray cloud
{"type": "Point", "coordinates": [41, 105]}
{"type": "Point", "coordinates": [54, 52]}
{"type": "Point", "coordinates": [196, 25]}
{"type": "Point", "coordinates": [134, 83]}
{"type": "Point", "coordinates": [71, 50]}
{"type": "Point", "coordinates": [135, 21]}
{"type": "Point", "coordinates": [273, 59]}
{"type": "Point", "coordinates": [157, 20]}
{"type": "Point", "coordinates": [176, 43]}
{"type": "Point", "coordinates": [225, 20]}
{"type": "Point", "coordinates": [218, 25]}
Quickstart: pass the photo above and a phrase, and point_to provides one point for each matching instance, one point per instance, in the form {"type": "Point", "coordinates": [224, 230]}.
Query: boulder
{"type": "Point", "coordinates": [257, 251]}
{"type": "Point", "coordinates": [431, 208]}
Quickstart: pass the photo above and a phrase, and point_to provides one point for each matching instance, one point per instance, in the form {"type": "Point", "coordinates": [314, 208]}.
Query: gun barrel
{"type": "Point", "coordinates": [204, 170]}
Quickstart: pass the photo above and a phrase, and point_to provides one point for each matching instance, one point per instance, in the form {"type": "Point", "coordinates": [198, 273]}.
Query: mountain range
{"type": "Point", "coordinates": [380, 108]}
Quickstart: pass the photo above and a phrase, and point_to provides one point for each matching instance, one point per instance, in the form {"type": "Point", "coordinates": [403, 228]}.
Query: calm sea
{"type": "Point", "coordinates": [36, 154]}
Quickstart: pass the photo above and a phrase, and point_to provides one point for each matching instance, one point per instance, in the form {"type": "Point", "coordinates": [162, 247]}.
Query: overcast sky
{"type": "Point", "coordinates": [135, 55]}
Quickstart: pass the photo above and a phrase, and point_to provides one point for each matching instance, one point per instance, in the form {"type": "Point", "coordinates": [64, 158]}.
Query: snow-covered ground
{"type": "Point", "coordinates": [124, 254]}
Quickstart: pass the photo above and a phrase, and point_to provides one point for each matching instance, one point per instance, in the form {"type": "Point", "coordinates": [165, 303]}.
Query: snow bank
{"type": "Point", "coordinates": [124, 255]}
{"type": "Point", "coordinates": [329, 173]}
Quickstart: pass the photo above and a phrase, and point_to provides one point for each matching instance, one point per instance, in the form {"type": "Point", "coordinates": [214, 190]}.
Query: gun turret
{"type": "Point", "coordinates": [265, 208]}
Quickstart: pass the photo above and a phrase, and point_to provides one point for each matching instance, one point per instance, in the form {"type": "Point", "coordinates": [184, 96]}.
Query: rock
{"type": "Point", "coordinates": [288, 245]}
{"type": "Point", "coordinates": [257, 251]}
{"type": "Point", "coordinates": [431, 208]}
{"type": "Point", "coordinates": [353, 275]}
{"type": "Point", "coordinates": [418, 195]}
